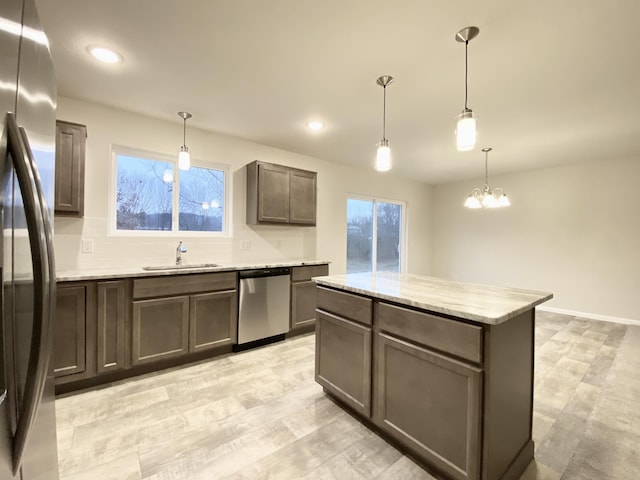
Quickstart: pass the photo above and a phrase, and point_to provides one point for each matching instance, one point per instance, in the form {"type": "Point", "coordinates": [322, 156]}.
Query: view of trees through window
{"type": "Point", "coordinates": [374, 235]}
{"type": "Point", "coordinates": [146, 196]}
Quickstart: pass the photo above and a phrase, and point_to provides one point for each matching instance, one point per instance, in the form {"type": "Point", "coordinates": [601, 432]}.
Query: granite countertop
{"type": "Point", "coordinates": [480, 303]}
{"type": "Point", "coordinates": [126, 272]}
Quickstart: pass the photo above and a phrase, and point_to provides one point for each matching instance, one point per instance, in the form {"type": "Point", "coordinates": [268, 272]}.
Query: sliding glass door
{"type": "Point", "coordinates": [374, 235]}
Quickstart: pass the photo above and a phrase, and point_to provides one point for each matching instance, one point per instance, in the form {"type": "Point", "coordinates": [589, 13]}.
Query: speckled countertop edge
{"type": "Point", "coordinates": [486, 304]}
{"type": "Point", "coordinates": [130, 272]}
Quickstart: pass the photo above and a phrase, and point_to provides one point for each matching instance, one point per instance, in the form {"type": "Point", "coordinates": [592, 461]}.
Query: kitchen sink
{"type": "Point", "coordinates": [187, 266]}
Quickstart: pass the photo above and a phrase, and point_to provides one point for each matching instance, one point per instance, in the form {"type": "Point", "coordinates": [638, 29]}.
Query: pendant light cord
{"type": "Point", "coordinates": [486, 170]}
{"type": "Point", "coordinates": [466, 73]}
{"type": "Point", "coordinates": [184, 132]}
{"type": "Point", "coordinates": [384, 112]}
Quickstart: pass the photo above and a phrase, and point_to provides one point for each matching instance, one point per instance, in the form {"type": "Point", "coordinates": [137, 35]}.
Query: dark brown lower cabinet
{"type": "Point", "coordinates": [343, 360]}
{"type": "Point", "coordinates": [431, 403]}
{"type": "Point", "coordinates": [303, 296]}
{"type": "Point", "coordinates": [160, 329]}
{"type": "Point", "coordinates": [112, 319]}
{"type": "Point", "coordinates": [70, 331]}
{"type": "Point", "coordinates": [212, 321]}
{"type": "Point", "coordinates": [303, 304]}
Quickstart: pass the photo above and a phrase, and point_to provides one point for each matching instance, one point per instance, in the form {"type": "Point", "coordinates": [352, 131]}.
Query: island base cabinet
{"type": "Point", "coordinates": [343, 360]}
{"type": "Point", "coordinates": [431, 404]}
{"type": "Point", "coordinates": [160, 329]}
{"type": "Point", "coordinates": [212, 320]}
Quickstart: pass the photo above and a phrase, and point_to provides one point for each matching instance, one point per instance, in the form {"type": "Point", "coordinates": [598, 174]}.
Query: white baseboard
{"type": "Point", "coordinates": [592, 316]}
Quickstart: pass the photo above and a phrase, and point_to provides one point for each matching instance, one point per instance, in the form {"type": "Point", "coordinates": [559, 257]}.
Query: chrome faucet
{"type": "Point", "coordinates": [179, 251]}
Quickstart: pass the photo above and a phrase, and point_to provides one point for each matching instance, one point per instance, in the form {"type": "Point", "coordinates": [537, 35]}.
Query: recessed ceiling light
{"type": "Point", "coordinates": [315, 125]}
{"type": "Point", "coordinates": [104, 54]}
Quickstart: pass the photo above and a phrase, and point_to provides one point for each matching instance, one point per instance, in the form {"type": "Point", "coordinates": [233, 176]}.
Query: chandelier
{"type": "Point", "coordinates": [486, 197]}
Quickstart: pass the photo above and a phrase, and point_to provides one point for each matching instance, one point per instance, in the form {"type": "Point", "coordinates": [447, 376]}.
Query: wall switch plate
{"type": "Point", "coordinates": [245, 245]}
{"type": "Point", "coordinates": [87, 246]}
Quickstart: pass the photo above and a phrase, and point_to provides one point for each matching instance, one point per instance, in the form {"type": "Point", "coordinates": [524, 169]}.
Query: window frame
{"type": "Point", "coordinates": [175, 201]}
{"type": "Point", "coordinates": [374, 243]}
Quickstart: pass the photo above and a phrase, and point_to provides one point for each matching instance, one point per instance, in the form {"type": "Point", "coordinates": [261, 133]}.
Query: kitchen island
{"type": "Point", "coordinates": [442, 369]}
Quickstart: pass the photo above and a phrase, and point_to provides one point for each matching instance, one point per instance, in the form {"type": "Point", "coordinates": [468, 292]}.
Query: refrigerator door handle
{"type": "Point", "coordinates": [40, 242]}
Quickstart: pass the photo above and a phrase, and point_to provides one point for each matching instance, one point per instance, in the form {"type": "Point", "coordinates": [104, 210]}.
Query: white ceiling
{"type": "Point", "coordinates": [552, 81]}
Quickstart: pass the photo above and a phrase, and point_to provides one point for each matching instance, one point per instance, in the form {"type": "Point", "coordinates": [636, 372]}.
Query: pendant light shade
{"type": "Point", "coordinates": [184, 156]}
{"type": "Point", "coordinates": [383, 155]}
{"type": "Point", "coordinates": [467, 126]}
{"type": "Point", "coordinates": [486, 197]}
{"type": "Point", "coordinates": [466, 131]}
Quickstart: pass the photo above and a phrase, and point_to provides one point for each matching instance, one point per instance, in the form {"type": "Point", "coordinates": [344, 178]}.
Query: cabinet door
{"type": "Point", "coordinates": [273, 193]}
{"type": "Point", "coordinates": [111, 324]}
{"type": "Point", "coordinates": [303, 304]}
{"type": "Point", "coordinates": [430, 403]}
{"type": "Point", "coordinates": [160, 329]}
{"type": "Point", "coordinates": [213, 320]}
{"type": "Point", "coordinates": [69, 354]}
{"type": "Point", "coordinates": [302, 197]}
{"type": "Point", "coordinates": [70, 151]}
{"type": "Point", "coordinates": [343, 360]}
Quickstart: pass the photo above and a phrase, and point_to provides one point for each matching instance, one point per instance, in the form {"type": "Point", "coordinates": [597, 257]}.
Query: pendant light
{"type": "Point", "coordinates": [486, 197]}
{"type": "Point", "coordinates": [466, 128]}
{"type": "Point", "coordinates": [383, 156]}
{"type": "Point", "coordinates": [184, 157]}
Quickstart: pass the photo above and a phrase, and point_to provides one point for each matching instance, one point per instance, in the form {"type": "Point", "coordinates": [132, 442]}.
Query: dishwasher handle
{"type": "Point", "coordinates": [264, 272]}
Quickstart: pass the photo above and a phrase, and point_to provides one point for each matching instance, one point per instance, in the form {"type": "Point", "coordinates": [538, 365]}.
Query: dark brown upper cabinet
{"type": "Point", "coordinates": [70, 151]}
{"type": "Point", "coordinates": [280, 195]}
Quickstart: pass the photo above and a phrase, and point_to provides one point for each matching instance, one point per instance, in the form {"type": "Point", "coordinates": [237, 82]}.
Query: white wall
{"type": "Point", "coordinates": [573, 230]}
{"type": "Point", "coordinates": [327, 241]}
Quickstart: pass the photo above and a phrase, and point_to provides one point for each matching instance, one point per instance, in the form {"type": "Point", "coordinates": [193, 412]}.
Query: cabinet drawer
{"type": "Point", "coordinates": [183, 284]}
{"type": "Point", "coordinates": [302, 274]}
{"type": "Point", "coordinates": [346, 305]}
{"type": "Point", "coordinates": [450, 336]}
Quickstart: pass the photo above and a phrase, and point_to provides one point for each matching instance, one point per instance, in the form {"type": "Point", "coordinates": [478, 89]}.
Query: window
{"type": "Point", "coordinates": [374, 235]}
{"type": "Point", "coordinates": [153, 195]}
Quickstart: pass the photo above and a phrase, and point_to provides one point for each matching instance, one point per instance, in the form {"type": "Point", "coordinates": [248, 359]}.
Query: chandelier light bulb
{"type": "Point", "coordinates": [489, 201]}
{"type": "Point", "coordinates": [472, 202]}
{"type": "Point", "coordinates": [504, 201]}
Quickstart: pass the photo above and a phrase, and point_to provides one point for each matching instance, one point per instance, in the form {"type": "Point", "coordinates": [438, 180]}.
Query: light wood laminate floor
{"type": "Point", "coordinates": [260, 415]}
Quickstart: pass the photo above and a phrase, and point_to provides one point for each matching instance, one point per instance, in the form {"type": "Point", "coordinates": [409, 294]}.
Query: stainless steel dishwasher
{"type": "Point", "coordinates": [263, 314]}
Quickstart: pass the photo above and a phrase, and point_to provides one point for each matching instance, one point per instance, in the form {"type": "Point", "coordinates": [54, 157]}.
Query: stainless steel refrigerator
{"type": "Point", "coordinates": [27, 158]}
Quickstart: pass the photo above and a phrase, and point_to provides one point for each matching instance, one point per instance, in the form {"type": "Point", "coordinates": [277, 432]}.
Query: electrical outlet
{"type": "Point", "coordinates": [87, 246]}
{"type": "Point", "coordinates": [245, 245]}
